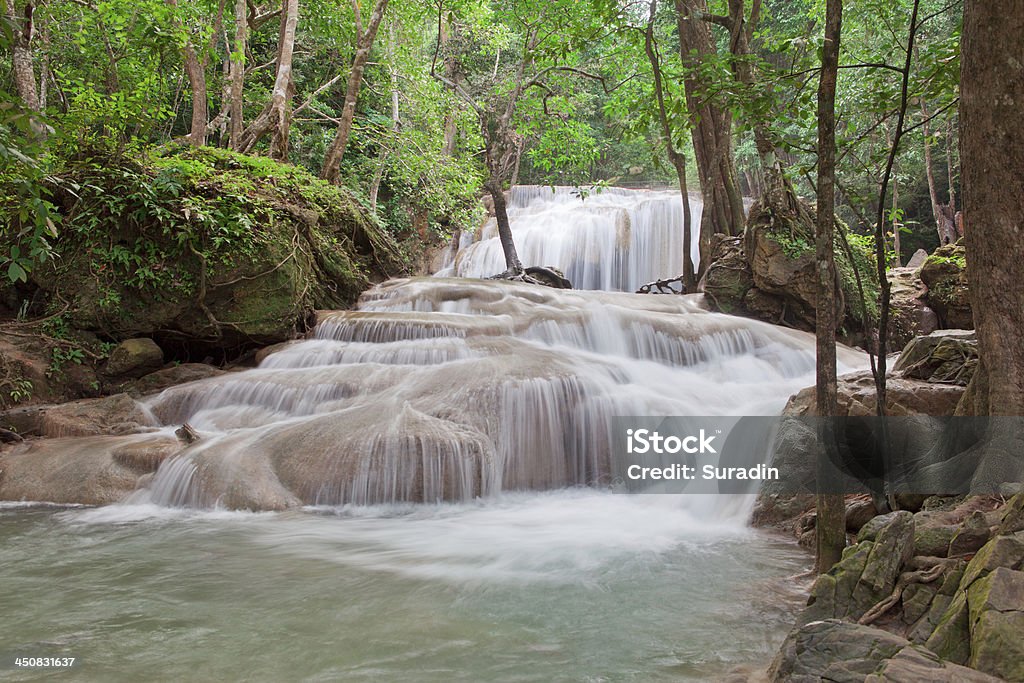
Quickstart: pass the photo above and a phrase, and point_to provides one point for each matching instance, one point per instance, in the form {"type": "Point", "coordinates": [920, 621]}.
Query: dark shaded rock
{"type": "Point", "coordinates": [841, 652]}
{"type": "Point", "coordinates": [133, 358]}
{"type": "Point", "coordinates": [728, 278]}
{"type": "Point", "coordinates": [858, 513]}
{"type": "Point", "coordinates": [945, 274]}
{"type": "Point", "coordinates": [172, 376]}
{"type": "Point", "coordinates": [1013, 516]}
{"type": "Point", "coordinates": [549, 276]}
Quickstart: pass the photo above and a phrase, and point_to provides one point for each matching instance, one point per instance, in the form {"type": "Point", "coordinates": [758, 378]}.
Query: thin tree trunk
{"type": "Point", "coordinates": [23, 30]}
{"type": "Point", "coordinates": [508, 246]}
{"type": "Point", "coordinates": [831, 523]}
{"type": "Point", "coordinates": [992, 173]}
{"type": "Point", "coordinates": [237, 75]}
{"type": "Point", "coordinates": [678, 159]}
{"type": "Point", "coordinates": [943, 223]}
{"type": "Point", "coordinates": [378, 176]}
{"type": "Point", "coordinates": [364, 43]}
{"type": "Point", "coordinates": [276, 116]}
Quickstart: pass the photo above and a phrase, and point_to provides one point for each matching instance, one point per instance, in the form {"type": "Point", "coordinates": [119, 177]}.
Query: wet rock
{"type": "Point", "coordinates": [133, 358]}
{"type": "Point", "coordinates": [842, 652]}
{"type": "Point", "coordinates": [117, 414]}
{"type": "Point", "coordinates": [262, 354]}
{"type": "Point", "coordinates": [80, 470]}
{"type": "Point", "coordinates": [549, 276]}
{"type": "Point", "coordinates": [945, 274]}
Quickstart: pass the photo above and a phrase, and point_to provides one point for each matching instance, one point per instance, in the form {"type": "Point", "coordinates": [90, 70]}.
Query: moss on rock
{"type": "Point", "coordinates": [207, 248]}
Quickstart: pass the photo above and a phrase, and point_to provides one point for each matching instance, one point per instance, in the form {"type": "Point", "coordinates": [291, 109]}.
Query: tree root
{"type": "Point", "coordinates": [923, 574]}
{"type": "Point", "coordinates": [663, 286]}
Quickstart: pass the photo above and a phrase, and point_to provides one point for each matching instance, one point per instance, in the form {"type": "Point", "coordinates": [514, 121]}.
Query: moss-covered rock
{"type": "Point", "coordinates": [945, 274]}
{"type": "Point", "coordinates": [206, 248]}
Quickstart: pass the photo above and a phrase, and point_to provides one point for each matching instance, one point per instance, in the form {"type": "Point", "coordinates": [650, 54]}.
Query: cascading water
{"type": "Point", "coordinates": [494, 397]}
{"type": "Point", "coordinates": [613, 239]}
{"type": "Point", "coordinates": [449, 390]}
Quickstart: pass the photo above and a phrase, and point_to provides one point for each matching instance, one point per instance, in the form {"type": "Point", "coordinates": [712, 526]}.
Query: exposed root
{"type": "Point", "coordinates": [922, 575]}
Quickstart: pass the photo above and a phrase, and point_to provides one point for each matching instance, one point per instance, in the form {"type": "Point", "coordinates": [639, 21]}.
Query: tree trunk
{"type": "Point", "coordinates": [677, 158]}
{"type": "Point", "coordinates": [512, 264]}
{"type": "Point", "coordinates": [364, 43]}
{"type": "Point", "coordinates": [831, 522]}
{"type": "Point", "coordinates": [712, 135]}
{"type": "Point", "coordinates": [23, 30]}
{"type": "Point", "coordinates": [944, 223]}
{"type": "Point", "coordinates": [276, 117]}
{"type": "Point", "coordinates": [992, 176]}
{"type": "Point", "coordinates": [197, 84]}
{"type": "Point", "coordinates": [237, 75]}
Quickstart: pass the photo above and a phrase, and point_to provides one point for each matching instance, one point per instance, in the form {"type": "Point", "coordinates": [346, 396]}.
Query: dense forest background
{"type": "Point", "coordinates": [418, 107]}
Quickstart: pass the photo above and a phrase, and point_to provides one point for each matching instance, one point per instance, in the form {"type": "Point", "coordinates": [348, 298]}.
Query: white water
{"type": "Point", "coordinates": [423, 456]}
{"type": "Point", "coordinates": [615, 239]}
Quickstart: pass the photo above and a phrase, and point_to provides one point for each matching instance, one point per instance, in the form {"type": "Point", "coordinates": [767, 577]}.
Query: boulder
{"type": "Point", "coordinates": [1013, 516]}
{"type": "Point", "coordinates": [842, 652]}
{"type": "Point", "coordinates": [970, 536]}
{"type": "Point", "coordinates": [918, 259]}
{"type": "Point", "coordinates": [859, 512]}
{"type": "Point", "coordinates": [549, 276]}
{"type": "Point", "coordinates": [156, 382]}
{"type": "Point", "coordinates": [910, 315]}
{"type": "Point", "coordinates": [945, 275]}
{"type": "Point", "coordinates": [867, 572]}
{"type": "Point", "coordinates": [932, 534]}
{"type": "Point", "coordinates": [995, 606]}
{"type": "Point", "coordinates": [117, 414]}
{"type": "Point", "coordinates": [904, 396]}
{"type": "Point", "coordinates": [133, 358]}
{"type": "Point", "coordinates": [945, 356]}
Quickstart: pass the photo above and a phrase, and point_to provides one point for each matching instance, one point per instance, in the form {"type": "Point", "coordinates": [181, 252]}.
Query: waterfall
{"type": "Point", "coordinates": [609, 239]}
{"type": "Point", "coordinates": [438, 389]}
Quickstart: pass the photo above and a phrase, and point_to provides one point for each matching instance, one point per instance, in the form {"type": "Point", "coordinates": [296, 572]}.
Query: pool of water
{"type": "Point", "coordinates": [567, 586]}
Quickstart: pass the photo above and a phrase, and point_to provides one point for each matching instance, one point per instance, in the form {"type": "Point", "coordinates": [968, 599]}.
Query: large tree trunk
{"type": "Point", "coordinates": [676, 157]}
{"type": "Point", "coordinates": [197, 84]}
{"type": "Point", "coordinates": [712, 135]}
{"type": "Point", "coordinates": [23, 30]}
{"type": "Point", "coordinates": [831, 522]}
{"type": "Point", "coordinates": [276, 117]}
{"type": "Point", "coordinates": [237, 75]}
{"type": "Point", "coordinates": [992, 168]}
{"type": "Point", "coordinates": [364, 43]}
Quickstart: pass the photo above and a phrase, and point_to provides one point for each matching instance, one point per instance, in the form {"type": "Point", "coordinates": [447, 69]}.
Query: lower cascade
{"type": "Point", "coordinates": [449, 390]}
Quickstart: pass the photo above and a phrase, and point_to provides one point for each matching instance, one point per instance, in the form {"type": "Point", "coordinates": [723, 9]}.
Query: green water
{"type": "Point", "coordinates": [566, 586]}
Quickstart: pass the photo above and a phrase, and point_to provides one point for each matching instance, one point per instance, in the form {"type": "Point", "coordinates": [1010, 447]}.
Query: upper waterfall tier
{"type": "Point", "coordinates": [615, 239]}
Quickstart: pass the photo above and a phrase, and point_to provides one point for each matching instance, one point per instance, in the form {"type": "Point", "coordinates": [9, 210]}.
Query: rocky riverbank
{"type": "Point", "coordinates": [932, 591]}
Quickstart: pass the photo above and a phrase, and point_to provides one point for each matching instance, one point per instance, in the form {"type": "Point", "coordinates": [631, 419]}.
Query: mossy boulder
{"type": "Point", "coordinates": [945, 274]}
{"type": "Point", "coordinates": [207, 249]}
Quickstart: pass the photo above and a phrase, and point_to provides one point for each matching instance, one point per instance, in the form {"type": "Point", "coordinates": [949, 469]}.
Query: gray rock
{"type": "Point", "coordinates": [970, 536]}
{"type": "Point", "coordinates": [996, 616]}
{"type": "Point", "coordinates": [842, 652]}
{"type": "Point", "coordinates": [918, 259]}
